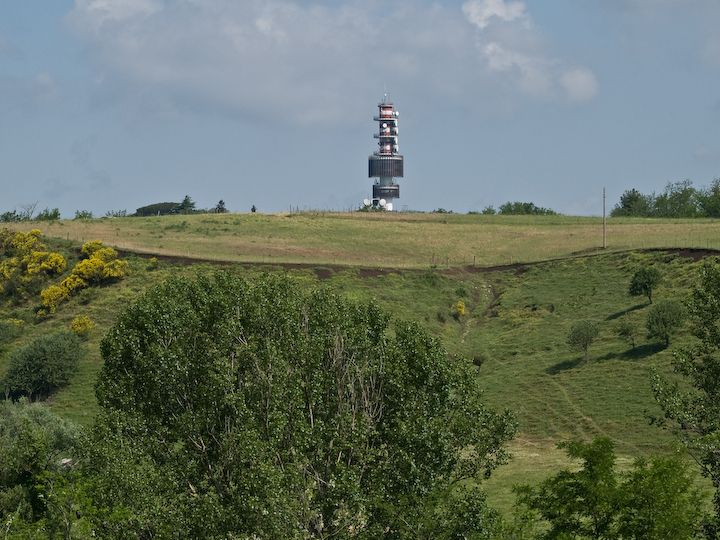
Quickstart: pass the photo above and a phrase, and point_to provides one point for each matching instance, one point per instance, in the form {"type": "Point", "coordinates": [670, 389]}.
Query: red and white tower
{"type": "Point", "coordinates": [386, 163]}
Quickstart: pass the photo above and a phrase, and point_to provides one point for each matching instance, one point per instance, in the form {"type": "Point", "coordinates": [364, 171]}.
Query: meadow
{"type": "Point", "coordinates": [514, 329]}
{"type": "Point", "coordinates": [400, 240]}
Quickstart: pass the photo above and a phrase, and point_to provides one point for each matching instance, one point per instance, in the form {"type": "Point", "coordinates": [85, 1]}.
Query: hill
{"type": "Point", "coordinates": [514, 327]}
{"type": "Point", "coordinates": [397, 240]}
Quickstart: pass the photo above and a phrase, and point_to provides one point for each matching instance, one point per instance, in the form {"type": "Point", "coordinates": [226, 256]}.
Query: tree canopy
{"type": "Point", "coordinates": [257, 408]}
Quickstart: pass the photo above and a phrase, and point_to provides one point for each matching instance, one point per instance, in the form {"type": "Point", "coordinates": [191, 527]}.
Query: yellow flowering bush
{"type": "Point", "coordinates": [24, 243]}
{"type": "Point", "coordinates": [89, 248]}
{"type": "Point", "coordinates": [116, 269]}
{"type": "Point", "coordinates": [459, 309]}
{"type": "Point", "coordinates": [105, 254]}
{"type": "Point", "coordinates": [73, 283]}
{"type": "Point", "coordinates": [90, 270]}
{"type": "Point", "coordinates": [43, 262]}
{"type": "Point", "coordinates": [81, 326]}
{"type": "Point", "coordinates": [53, 296]}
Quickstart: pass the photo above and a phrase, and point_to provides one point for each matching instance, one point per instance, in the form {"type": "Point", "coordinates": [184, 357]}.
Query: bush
{"type": "Point", "coordinates": [10, 329]}
{"type": "Point", "coordinates": [83, 214]}
{"type": "Point", "coordinates": [81, 326]}
{"type": "Point", "coordinates": [524, 209]}
{"type": "Point", "coordinates": [43, 366]}
{"type": "Point", "coordinates": [664, 319]}
{"type": "Point", "coordinates": [458, 310]}
{"type": "Point", "coordinates": [43, 262]}
{"type": "Point", "coordinates": [626, 331]}
{"type": "Point", "coordinates": [152, 264]}
{"type": "Point", "coordinates": [53, 296]}
{"type": "Point", "coordinates": [48, 215]}
{"type": "Point", "coordinates": [90, 247]}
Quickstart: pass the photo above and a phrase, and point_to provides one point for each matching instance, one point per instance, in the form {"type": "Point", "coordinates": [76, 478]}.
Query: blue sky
{"type": "Point", "coordinates": [113, 104]}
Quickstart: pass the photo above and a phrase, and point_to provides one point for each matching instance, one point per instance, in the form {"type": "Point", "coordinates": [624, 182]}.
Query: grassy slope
{"type": "Point", "coordinates": [516, 325]}
{"type": "Point", "coordinates": [390, 240]}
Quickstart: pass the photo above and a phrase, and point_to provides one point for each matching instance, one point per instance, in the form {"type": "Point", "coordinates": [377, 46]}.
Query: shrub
{"type": "Point", "coordinates": [664, 319]}
{"type": "Point", "coordinates": [90, 247]}
{"type": "Point", "coordinates": [581, 336]}
{"type": "Point", "coordinates": [43, 262]}
{"type": "Point", "coordinates": [53, 296]}
{"type": "Point", "coordinates": [524, 208]}
{"type": "Point", "coordinates": [81, 326]}
{"type": "Point", "coordinates": [10, 329]}
{"type": "Point", "coordinates": [152, 264]}
{"type": "Point", "coordinates": [626, 331]}
{"type": "Point", "coordinates": [43, 366]}
{"type": "Point", "coordinates": [73, 283]}
{"type": "Point", "coordinates": [83, 214]}
{"type": "Point", "coordinates": [49, 214]}
{"type": "Point", "coordinates": [458, 310]}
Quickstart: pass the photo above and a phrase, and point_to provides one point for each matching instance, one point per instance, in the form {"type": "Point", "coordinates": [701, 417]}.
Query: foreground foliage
{"type": "Point", "coordinates": [696, 411]}
{"type": "Point", "coordinates": [253, 408]}
{"type": "Point", "coordinates": [654, 500]}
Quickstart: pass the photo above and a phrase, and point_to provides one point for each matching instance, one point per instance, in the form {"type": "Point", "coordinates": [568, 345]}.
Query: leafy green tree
{"type": "Point", "coordinates": [220, 207]}
{"type": "Point", "coordinates": [186, 206]}
{"type": "Point", "coordinates": [83, 214]}
{"type": "Point", "coordinates": [256, 408]}
{"type": "Point", "coordinates": [36, 444]}
{"type": "Point", "coordinates": [581, 336]}
{"type": "Point", "coordinates": [696, 410]}
{"type": "Point", "coordinates": [524, 208]}
{"type": "Point", "coordinates": [679, 200]}
{"type": "Point", "coordinates": [709, 199]}
{"type": "Point", "coordinates": [633, 204]}
{"type": "Point", "coordinates": [156, 209]}
{"type": "Point", "coordinates": [626, 331]}
{"type": "Point", "coordinates": [656, 499]}
{"type": "Point", "coordinates": [48, 214]}
{"type": "Point", "coordinates": [664, 319]}
{"type": "Point", "coordinates": [644, 281]}
{"type": "Point", "coordinates": [41, 367]}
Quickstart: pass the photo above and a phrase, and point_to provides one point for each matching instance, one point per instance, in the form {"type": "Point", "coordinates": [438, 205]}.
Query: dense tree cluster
{"type": "Point", "coordinates": [678, 200]}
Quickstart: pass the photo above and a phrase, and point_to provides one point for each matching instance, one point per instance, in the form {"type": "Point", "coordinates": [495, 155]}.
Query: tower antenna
{"type": "Point", "coordinates": [386, 163]}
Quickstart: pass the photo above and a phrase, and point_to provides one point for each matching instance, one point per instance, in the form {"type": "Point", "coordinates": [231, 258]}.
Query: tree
{"type": "Point", "coordinates": [186, 206]}
{"type": "Point", "coordinates": [694, 407]}
{"type": "Point", "coordinates": [253, 209]}
{"type": "Point", "coordinates": [83, 214]}
{"type": "Point", "coordinates": [633, 204]}
{"type": "Point", "coordinates": [626, 331]}
{"type": "Point", "coordinates": [644, 281]}
{"type": "Point", "coordinates": [36, 444]}
{"type": "Point", "coordinates": [48, 214]}
{"type": "Point", "coordinates": [656, 499]}
{"type": "Point", "coordinates": [220, 207]}
{"type": "Point", "coordinates": [42, 366]}
{"type": "Point", "coordinates": [261, 409]}
{"type": "Point", "coordinates": [524, 208]}
{"type": "Point", "coordinates": [581, 336]}
{"type": "Point", "coordinates": [664, 319]}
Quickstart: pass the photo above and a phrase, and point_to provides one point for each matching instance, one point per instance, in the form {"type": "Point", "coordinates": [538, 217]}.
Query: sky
{"type": "Point", "coordinates": [115, 104]}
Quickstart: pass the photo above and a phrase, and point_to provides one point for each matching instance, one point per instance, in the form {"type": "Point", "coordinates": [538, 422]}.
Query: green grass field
{"type": "Point", "coordinates": [514, 330]}
{"type": "Point", "coordinates": [383, 240]}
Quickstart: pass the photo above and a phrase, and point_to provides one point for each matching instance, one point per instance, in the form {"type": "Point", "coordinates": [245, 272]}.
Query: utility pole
{"type": "Point", "coordinates": [604, 223]}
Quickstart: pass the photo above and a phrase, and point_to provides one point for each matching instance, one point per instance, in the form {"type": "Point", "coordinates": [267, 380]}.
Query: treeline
{"type": "Point", "coordinates": [187, 206]}
{"type": "Point", "coordinates": [517, 208]}
{"type": "Point", "coordinates": [678, 200]}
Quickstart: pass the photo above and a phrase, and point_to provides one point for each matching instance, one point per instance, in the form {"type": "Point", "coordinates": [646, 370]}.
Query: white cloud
{"type": "Point", "coordinates": [308, 61]}
{"type": "Point", "coordinates": [580, 84]}
{"type": "Point", "coordinates": [510, 44]}
{"type": "Point", "coordinates": [482, 12]}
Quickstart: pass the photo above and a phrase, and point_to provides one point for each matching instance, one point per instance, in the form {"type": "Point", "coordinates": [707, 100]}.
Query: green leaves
{"type": "Point", "coordinates": [288, 413]}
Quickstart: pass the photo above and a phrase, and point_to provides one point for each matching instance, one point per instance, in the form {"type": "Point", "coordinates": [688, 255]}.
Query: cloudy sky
{"type": "Point", "coordinates": [113, 104]}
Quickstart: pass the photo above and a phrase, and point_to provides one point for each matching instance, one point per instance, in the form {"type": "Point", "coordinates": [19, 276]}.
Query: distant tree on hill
{"type": "Point", "coordinates": [664, 319]}
{"type": "Point", "coordinates": [220, 207]}
{"type": "Point", "coordinates": [581, 336]}
{"type": "Point", "coordinates": [253, 209]}
{"type": "Point", "coordinates": [524, 208]}
{"type": "Point", "coordinates": [83, 214]}
{"type": "Point", "coordinates": [489, 210]}
{"type": "Point", "coordinates": [158, 209]}
{"type": "Point", "coordinates": [186, 206]}
{"type": "Point", "coordinates": [644, 282]}
{"type": "Point", "coordinates": [633, 203]}
{"type": "Point", "coordinates": [49, 214]}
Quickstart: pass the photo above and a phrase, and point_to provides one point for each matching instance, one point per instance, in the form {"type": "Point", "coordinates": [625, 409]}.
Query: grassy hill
{"type": "Point", "coordinates": [397, 240]}
{"type": "Point", "coordinates": [514, 329]}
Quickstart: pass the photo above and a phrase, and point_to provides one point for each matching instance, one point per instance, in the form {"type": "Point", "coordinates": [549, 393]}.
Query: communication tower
{"type": "Point", "coordinates": [386, 164]}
